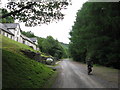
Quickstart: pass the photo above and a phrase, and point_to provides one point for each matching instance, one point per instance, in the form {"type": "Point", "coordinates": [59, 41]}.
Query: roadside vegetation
{"type": "Point", "coordinates": [66, 50]}
{"type": "Point", "coordinates": [50, 46]}
{"type": "Point", "coordinates": [107, 73]}
{"type": "Point", "coordinates": [96, 34]}
{"type": "Point", "coordinates": [18, 71]}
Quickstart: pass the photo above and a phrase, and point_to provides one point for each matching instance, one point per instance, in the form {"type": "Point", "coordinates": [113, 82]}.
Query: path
{"type": "Point", "coordinates": [74, 75]}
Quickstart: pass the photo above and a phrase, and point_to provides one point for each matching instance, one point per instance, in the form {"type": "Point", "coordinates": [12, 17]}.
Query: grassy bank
{"type": "Point", "coordinates": [20, 71]}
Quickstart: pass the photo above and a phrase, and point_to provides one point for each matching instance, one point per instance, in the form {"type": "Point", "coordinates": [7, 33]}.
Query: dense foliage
{"type": "Point", "coordinates": [36, 12]}
{"type": "Point", "coordinates": [28, 34]}
{"type": "Point", "coordinates": [52, 47]}
{"type": "Point", "coordinates": [96, 34]}
{"type": "Point", "coordinates": [49, 45]}
{"type": "Point", "coordinates": [66, 49]}
{"type": "Point", "coordinates": [7, 19]}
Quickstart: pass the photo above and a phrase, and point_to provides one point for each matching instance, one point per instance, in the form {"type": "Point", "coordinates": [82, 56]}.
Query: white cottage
{"type": "Point", "coordinates": [29, 42]}
{"type": "Point", "coordinates": [13, 31]}
{"type": "Point", "coordinates": [4, 31]}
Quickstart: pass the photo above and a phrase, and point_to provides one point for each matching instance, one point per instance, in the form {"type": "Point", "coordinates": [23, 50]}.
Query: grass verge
{"type": "Point", "coordinates": [18, 71]}
{"type": "Point", "coordinates": [107, 73]}
{"type": "Point", "coordinates": [51, 80]}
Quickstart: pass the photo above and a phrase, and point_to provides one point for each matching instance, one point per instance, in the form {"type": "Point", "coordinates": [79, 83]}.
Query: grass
{"type": "Point", "coordinates": [109, 74]}
{"type": "Point", "coordinates": [51, 80]}
{"type": "Point", "coordinates": [15, 46]}
{"type": "Point", "coordinates": [11, 44]}
{"type": "Point", "coordinates": [20, 71]}
{"type": "Point", "coordinates": [106, 73]}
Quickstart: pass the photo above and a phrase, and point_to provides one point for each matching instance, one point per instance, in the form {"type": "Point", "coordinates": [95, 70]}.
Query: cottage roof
{"type": "Point", "coordinates": [3, 27]}
{"type": "Point", "coordinates": [23, 36]}
{"type": "Point", "coordinates": [11, 25]}
{"type": "Point", "coordinates": [33, 39]}
{"type": "Point", "coordinates": [26, 38]}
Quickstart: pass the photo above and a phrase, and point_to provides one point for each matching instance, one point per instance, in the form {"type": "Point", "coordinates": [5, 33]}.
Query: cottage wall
{"type": "Point", "coordinates": [6, 34]}
{"type": "Point", "coordinates": [12, 30]}
{"type": "Point", "coordinates": [16, 33]}
{"type": "Point", "coordinates": [21, 39]}
{"type": "Point", "coordinates": [33, 45]}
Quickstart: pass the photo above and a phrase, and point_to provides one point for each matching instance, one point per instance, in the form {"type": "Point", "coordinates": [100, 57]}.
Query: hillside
{"type": "Point", "coordinates": [64, 45]}
{"type": "Point", "coordinates": [18, 71]}
{"type": "Point", "coordinates": [66, 49]}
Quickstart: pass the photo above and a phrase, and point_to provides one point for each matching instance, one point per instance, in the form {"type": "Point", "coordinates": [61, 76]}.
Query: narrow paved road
{"type": "Point", "coordinates": [74, 75]}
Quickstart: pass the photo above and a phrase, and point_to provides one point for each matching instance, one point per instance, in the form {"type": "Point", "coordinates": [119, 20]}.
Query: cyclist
{"type": "Point", "coordinates": [89, 66]}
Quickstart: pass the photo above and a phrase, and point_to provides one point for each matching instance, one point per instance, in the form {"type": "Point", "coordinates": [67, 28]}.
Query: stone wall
{"type": "Point", "coordinates": [31, 54]}
{"type": "Point", "coordinates": [36, 56]}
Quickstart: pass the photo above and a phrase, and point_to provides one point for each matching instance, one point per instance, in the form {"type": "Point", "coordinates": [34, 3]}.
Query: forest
{"type": "Point", "coordinates": [96, 34]}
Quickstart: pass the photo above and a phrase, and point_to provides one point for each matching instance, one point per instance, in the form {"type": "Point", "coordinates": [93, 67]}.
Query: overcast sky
{"type": "Point", "coordinates": [61, 29]}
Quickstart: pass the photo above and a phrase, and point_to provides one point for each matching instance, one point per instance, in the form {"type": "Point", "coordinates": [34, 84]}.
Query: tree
{"type": "Point", "coordinates": [40, 40]}
{"type": "Point", "coordinates": [8, 19]}
{"type": "Point", "coordinates": [96, 34]}
{"type": "Point", "coordinates": [36, 13]}
{"type": "Point", "coordinates": [28, 34]}
{"type": "Point", "coordinates": [65, 49]}
{"type": "Point", "coordinates": [52, 47]}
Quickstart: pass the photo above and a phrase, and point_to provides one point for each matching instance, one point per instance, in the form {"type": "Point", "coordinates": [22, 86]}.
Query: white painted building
{"type": "Point", "coordinates": [13, 31]}
{"type": "Point", "coordinates": [4, 31]}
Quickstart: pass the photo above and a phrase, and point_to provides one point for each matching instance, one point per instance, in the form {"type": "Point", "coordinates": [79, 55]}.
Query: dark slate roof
{"type": "Point", "coordinates": [26, 38]}
{"type": "Point", "coordinates": [33, 39]}
{"type": "Point", "coordinates": [11, 25]}
{"type": "Point", "coordinates": [3, 27]}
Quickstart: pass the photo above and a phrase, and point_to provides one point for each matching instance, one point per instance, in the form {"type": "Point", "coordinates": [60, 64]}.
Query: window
{"type": "Point", "coordinates": [23, 42]}
{"type": "Point", "coordinates": [17, 38]}
{"type": "Point", "coordinates": [3, 33]}
{"type": "Point", "coordinates": [11, 36]}
{"type": "Point", "coordinates": [7, 35]}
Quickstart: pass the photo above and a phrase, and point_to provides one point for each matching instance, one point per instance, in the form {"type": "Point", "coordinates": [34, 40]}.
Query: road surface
{"type": "Point", "coordinates": [74, 75]}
